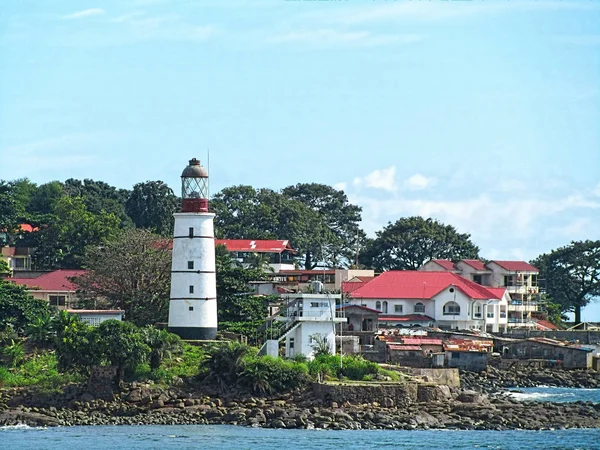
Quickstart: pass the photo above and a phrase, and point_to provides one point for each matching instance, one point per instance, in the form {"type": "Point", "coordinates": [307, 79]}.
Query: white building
{"type": "Point", "coordinates": [307, 318]}
{"type": "Point", "coordinates": [95, 317]}
{"type": "Point", "coordinates": [193, 300]}
{"type": "Point", "coordinates": [426, 298]}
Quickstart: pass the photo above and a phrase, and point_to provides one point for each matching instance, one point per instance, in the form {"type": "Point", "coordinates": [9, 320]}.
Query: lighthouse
{"type": "Point", "coordinates": [193, 301]}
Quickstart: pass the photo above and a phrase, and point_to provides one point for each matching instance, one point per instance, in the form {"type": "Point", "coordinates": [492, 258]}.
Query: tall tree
{"type": "Point", "coordinates": [131, 272]}
{"type": "Point", "coordinates": [66, 233]}
{"type": "Point", "coordinates": [411, 241]}
{"type": "Point", "coordinates": [100, 197]}
{"type": "Point", "coordinates": [151, 205]}
{"type": "Point", "coordinates": [340, 217]}
{"type": "Point", "coordinates": [46, 197]}
{"type": "Point", "coordinates": [8, 208]}
{"type": "Point", "coordinates": [571, 275]}
{"type": "Point", "coordinates": [244, 212]}
{"type": "Point", "coordinates": [23, 190]}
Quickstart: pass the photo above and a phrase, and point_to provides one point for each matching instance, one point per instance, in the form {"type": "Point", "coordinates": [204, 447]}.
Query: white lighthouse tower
{"type": "Point", "coordinates": [193, 302]}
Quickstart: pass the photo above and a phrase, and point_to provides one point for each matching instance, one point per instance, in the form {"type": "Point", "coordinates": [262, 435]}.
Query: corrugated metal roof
{"type": "Point", "coordinates": [401, 347]}
{"type": "Point", "coordinates": [475, 264]}
{"type": "Point", "coordinates": [421, 341]}
{"type": "Point", "coordinates": [255, 246]}
{"type": "Point", "coordinates": [445, 263]}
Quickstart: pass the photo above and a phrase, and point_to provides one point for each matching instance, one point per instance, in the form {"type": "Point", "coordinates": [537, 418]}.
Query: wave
{"type": "Point", "coordinates": [20, 426]}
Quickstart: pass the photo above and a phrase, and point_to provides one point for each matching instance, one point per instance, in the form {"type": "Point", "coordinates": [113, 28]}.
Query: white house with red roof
{"type": "Point", "coordinates": [54, 287]}
{"type": "Point", "coordinates": [519, 278]}
{"type": "Point", "coordinates": [443, 299]}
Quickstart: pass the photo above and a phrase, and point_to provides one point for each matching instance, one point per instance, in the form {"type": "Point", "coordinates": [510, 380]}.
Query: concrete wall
{"type": "Point", "coordinates": [571, 358]}
{"type": "Point", "coordinates": [584, 337]}
{"type": "Point", "coordinates": [473, 361]}
{"type": "Point", "coordinates": [399, 394]}
{"type": "Point", "coordinates": [449, 377]}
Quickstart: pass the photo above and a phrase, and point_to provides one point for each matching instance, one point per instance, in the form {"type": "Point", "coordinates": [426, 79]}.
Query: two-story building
{"type": "Point", "coordinates": [519, 278]}
{"type": "Point", "coordinates": [426, 298]}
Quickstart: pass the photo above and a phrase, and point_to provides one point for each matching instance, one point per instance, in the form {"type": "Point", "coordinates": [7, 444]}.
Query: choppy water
{"type": "Point", "coordinates": [557, 395]}
{"type": "Point", "coordinates": [213, 437]}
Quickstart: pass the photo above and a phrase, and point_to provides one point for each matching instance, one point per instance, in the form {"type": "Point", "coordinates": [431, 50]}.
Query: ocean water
{"type": "Point", "coordinates": [221, 437]}
{"type": "Point", "coordinates": [556, 394]}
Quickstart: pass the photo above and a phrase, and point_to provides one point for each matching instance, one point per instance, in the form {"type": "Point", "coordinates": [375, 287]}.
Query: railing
{"type": "Point", "coordinates": [325, 314]}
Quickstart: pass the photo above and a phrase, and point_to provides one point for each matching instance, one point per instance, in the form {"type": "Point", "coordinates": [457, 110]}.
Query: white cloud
{"type": "Point", "coordinates": [596, 190]}
{"type": "Point", "coordinates": [168, 27]}
{"type": "Point", "coordinates": [329, 37]}
{"type": "Point", "coordinates": [384, 179]}
{"type": "Point", "coordinates": [418, 182]}
{"type": "Point", "coordinates": [340, 186]}
{"type": "Point", "coordinates": [84, 13]}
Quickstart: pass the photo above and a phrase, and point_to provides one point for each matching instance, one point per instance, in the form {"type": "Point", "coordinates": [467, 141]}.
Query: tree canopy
{"type": "Point", "coordinates": [151, 205]}
{"type": "Point", "coordinates": [571, 275]}
{"type": "Point", "coordinates": [132, 272]}
{"type": "Point", "coordinates": [411, 241]}
{"type": "Point", "coordinates": [340, 217]}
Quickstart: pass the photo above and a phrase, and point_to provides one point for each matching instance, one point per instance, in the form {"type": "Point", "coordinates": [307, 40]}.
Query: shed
{"type": "Point", "coordinates": [551, 350]}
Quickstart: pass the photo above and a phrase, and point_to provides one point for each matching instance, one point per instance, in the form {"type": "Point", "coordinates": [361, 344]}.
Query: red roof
{"type": "Point", "coordinates": [545, 325]}
{"type": "Point", "coordinates": [516, 266]}
{"type": "Point", "coordinates": [414, 284]}
{"type": "Point", "coordinates": [364, 308]}
{"type": "Point", "coordinates": [421, 341]}
{"type": "Point", "coordinates": [497, 291]}
{"type": "Point", "coordinates": [95, 311]}
{"type": "Point", "coordinates": [28, 228]}
{"type": "Point", "coordinates": [307, 272]}
{"type": "Point", "coordinates": [445, 263]}
{"type": "Point", "coordinates": [255, 246]}
{"type": "Point", "coordinates": [52, 281]}
{"type": "Point", "coordinates": [475, 264]}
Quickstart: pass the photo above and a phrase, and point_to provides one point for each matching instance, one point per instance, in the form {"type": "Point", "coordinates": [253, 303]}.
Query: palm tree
{"type": "Point", "coordinates": [256, 377]}
{"type": "Point", "coordinates": [225, 362]}
{"type": "Point", "coordinates": [40, 330]}
{"type": "Point", "coordinates": [162, 345]}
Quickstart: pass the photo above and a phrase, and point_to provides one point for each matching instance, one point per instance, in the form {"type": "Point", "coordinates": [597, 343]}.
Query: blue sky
{"type": "Point", "coordinates": [484, 114]}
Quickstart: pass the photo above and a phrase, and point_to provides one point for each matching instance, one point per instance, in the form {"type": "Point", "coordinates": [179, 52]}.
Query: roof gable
{"type": "Point", "coordinates": [445, 264]}
{"type": "Point", "coordinates": [57, 280]}
{"type": "Point", "coordinates": [515, 266]}
{"type": "Point", "coordinates": [475, 264]}
{"type": "Point", "coordinates": [409, 284]}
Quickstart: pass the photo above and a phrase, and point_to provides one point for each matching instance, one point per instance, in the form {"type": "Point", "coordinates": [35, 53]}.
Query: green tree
{"type": "Point", "coordinates": [40, 330]}
{"type": "Point", "coordinates": [8, 208]}
{"type": "Point", "coordinates": [76, 344]}
{"type": "Point", "coordinates": [342, 219]}
{"type": "Point", "coordinates": [4, 268]}
{"type": "Point", "coordinates": [132, 272]}
{"type": "Point", "coordinates": [24, 191]}
{"type": "Point", "coordinates": [224, 364]}
{"type": "Point", "coordinates": [243, 212]}
{"type": "Point", "coordinates": [162, 345]}
{"type": "Point", "coordinates": [18, 308]}
{"type": "Point", "coordinates": [70, 229]}
{"type": "Point", "coordinates": [100, 197]}
{"type": "Point", "coordinates": [151, 205]}
{"type": "Point", "coordinates": [121, 344]}
{"type": "Point", "coordinates": [410, 242]}
{"type": "Point", "coordinates": [45, 198]}
{"type": "Point", "coordinates": [571, 275]}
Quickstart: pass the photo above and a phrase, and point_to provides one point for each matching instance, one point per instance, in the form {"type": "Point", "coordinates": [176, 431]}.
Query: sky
{"type": "Point", "coordinates": [483, 114]}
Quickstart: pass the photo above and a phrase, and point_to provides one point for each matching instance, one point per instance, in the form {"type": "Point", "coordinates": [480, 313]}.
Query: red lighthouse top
{"type": "Point", "coordinates": [194, 188]}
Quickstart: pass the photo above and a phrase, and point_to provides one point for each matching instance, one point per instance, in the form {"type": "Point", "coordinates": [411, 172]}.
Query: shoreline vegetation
{"type": "Point", "coordinates": [194, 397]}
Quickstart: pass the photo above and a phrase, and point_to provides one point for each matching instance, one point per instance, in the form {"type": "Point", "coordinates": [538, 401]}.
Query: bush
{"type": "Point", "coordinates": [39, 370]}
{"type": "Point", "coordinates": [267, 374]}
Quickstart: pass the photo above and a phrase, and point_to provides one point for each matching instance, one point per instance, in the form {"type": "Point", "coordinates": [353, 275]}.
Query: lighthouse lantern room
{"type": "Point", "coordinates": [193, 301]}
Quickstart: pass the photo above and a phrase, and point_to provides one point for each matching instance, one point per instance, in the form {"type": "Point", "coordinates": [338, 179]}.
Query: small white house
{"type": "Point", "coordinates": [95, 317]}
{"type": "Point", "coordinates": [307, 318]}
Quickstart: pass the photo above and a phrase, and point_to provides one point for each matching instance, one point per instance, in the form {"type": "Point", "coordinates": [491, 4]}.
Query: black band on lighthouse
{"type": "Point", "coordinates": [195, 333]}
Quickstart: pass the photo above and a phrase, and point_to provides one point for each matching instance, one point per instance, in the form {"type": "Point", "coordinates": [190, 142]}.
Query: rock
{"type": "Point", "coordinates": [472, 397]}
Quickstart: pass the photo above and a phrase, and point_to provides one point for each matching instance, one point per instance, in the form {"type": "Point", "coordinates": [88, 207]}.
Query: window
{"type": "Point", "coordinates": [190, 265]}
{"type": "Point", "coordinates": [477, 311]}
{"type": "Point", "coordinates": [191, 308]}
{"type": "Point", "coordinates": [477, 279]}
{"type": "Point", "coordinates": [191, 289]}
{"type": "Point", "coordinates": [419, 307]}
{"type": "Point", "coordinates": [92, 321]}
{"type": "Point", "coordinates": [191, 232]}
{"type": "Point", "coordinates": [385, 307]}
{"type": "Point", "coordinates": [291, 343]}
{"type": "Point", "coordinates": [451, 309]}
{"type": "Point", "coordinates": [509, 280]}
{"type": "Point", "coordinates": [451, 290]}
{"type": "Point", "coordinates": [378, 305]}
{"type": "Point", "coordinates": [398, 308]}
{"type": "Point", "coordinates": [57, 300]}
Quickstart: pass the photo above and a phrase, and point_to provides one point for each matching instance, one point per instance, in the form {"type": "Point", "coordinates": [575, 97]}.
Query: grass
{"type": "Point", "coordinates": [38, 369]}
{"type": "Point", "coordinates": [185, 365]}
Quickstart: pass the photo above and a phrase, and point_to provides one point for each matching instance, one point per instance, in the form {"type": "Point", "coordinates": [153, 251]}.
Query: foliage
{"type": "Point", "coordinates": [8, 207]}
{"type": "Point", "coordinates": [76, 344]}
{"type": "Point", "coordinates": [14, 352]}
{"type": "Point", "coordinates": [352, 368]}
{"type": "Point", "coordinates": [40, 330]}
{"type": "Point", "coordinates": [224, 363]}
{"type": "Point", "coordinates": [120, 344]}
{"type": "Point", "coordinates": [151, 205]}
{"type": "Point", "coordinates": [571, 275]}
{"type": "Point", "coordinates": [4, 268]}
{"type": "Point", "coordinates": [18, 308]}
{"type": "Point", "coordinates": [130, 272]}
{"type": "Point", "coordinates": [267, 374]}
{"type": "Point", "coordinates": [163, 345]}
{"type": "Point", "coordinates": [411, 241]}
{"type": "Point", "coordinates": [342, 219]}
{"type": "Point", "coordinates": [39, 370]}
{"type": "Point", "coordinates": [243, 212]}
{"type": "Point", "coordinates": [320, 345]}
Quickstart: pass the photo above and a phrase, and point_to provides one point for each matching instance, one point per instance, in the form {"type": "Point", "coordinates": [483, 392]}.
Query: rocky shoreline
{"type": "Point", "coordinates": [480, 407]}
